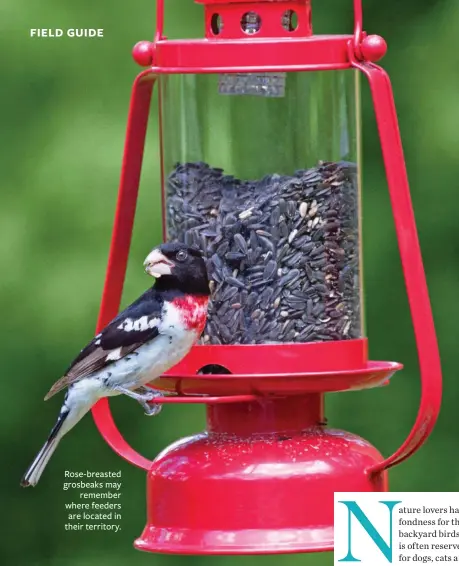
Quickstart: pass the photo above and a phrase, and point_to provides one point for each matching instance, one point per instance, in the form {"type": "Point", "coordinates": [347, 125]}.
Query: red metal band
{"type": "Point", "coordinates": [323, 52]}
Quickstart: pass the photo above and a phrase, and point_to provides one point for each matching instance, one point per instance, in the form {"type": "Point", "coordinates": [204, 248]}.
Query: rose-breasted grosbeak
{"type": "Point", "coordinates": [149, 337]}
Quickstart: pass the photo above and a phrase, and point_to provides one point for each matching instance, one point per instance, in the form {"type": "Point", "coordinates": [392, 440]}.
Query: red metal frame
{"type": "Point", "coordinates": [119, 249]}
{"type": "Point", "coordinates": [410, 253]}
{"type": "Point", "coordinates": [264, 55]}
{"type": "Point", "coordinates": [315, 53]}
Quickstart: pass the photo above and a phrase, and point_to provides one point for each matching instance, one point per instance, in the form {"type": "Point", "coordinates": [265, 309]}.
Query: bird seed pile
{"type": "Point", "coordinates": [282, 252]}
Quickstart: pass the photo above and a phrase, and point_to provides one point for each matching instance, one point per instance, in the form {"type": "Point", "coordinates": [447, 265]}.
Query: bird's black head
{"type": "Point", "coordinates": [178, 267]}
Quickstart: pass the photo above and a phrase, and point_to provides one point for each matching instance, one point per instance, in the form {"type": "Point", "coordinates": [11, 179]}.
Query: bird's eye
{"type": "Point", "coordinates": [181, 255]}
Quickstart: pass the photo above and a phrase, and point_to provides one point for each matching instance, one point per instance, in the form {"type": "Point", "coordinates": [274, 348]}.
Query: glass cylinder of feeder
{"type": "Point", "coordinates": [261, 171]}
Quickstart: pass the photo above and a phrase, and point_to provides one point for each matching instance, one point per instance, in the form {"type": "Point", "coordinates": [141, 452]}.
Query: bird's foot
{"type": "Point", "coordinates": [143, 395]}
{"type": "Point", "coordinates": [148, 394]}
{"type": "Point", "coordinates": [153, 409]}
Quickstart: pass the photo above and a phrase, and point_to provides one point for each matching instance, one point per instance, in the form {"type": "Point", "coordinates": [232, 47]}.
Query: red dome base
{"type": "Point", "coordinates": [265, 488]}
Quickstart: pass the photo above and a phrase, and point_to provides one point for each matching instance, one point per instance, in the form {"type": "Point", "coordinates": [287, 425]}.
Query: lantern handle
{"type": "Point", "coordinates": [160, 20]}
{"type": "Point", "coordinates": [410, 254]}
{"type": "Point", "coordinates": [120, 245]}
{"type": "Point", "coordinates": [358, 27]}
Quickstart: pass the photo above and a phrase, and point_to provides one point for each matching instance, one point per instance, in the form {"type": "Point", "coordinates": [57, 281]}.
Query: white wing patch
{"type": "Point", "coordinates": [114, 355]}
{"type": "Point", "coordinates": [155, 357]}
{"type": "Point", "coordinates": [141, 324]}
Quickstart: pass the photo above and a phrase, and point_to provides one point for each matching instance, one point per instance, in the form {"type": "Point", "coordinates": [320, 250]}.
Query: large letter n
{"type": "Point", "coordinates": [354, 509]}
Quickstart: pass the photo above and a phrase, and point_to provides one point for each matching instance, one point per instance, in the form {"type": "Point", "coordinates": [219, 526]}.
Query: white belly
{"type": "Point", "coordinates": [163, 353]}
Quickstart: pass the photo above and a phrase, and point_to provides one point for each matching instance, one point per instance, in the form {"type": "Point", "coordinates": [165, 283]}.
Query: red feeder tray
{"type": "Point", "coordinates": [278, 369]}
{"type": "Point", "coordinates": [375, 374]}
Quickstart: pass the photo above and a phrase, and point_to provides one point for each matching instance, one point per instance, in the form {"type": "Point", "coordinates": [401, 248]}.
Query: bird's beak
{"type": "Point", "coordinates": [157, 264]}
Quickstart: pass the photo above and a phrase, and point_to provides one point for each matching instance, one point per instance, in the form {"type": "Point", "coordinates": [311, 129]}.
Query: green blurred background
{"type": "Point", "coordinates": [63, 115]}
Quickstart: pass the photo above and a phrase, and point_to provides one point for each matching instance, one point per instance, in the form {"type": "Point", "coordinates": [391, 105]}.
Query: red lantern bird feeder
{"type": "Point", "coordinates": [260, 94]}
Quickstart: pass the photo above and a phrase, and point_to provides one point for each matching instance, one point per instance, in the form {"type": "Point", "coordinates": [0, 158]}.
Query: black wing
{"type": "Point", "coordinates": [134, 326]}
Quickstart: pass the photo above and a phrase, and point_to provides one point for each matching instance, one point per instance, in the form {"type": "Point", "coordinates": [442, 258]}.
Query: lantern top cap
{"type": "Point", "coordinates": [259, 36]}
{"type": "Point", "coordinates": [228, 19]}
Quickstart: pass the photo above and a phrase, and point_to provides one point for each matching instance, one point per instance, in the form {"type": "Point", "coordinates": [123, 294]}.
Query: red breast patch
{"type": "Point", "coordinates": [193, 311]}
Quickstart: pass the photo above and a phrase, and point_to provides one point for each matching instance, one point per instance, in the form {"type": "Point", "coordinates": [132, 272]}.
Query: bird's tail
{"type": "Point", "coordinates": [35, 469]}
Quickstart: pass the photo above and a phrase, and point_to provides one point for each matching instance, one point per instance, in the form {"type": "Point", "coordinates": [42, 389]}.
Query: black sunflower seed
{"type": "Point", "coordinates": [234, 256]}
{"type": "Point", "coordinates": [270, 270]}
{"type": "Point", "coordinates": [235, 282]}
{"type": "Point", "coordinates": [240, 243]}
